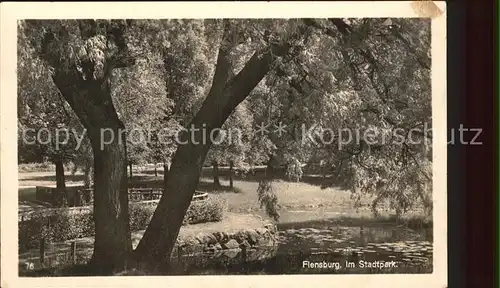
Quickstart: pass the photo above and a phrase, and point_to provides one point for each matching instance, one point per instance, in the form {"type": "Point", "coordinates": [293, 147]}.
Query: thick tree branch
{"type": "Point", "coordinates": [223, 65]}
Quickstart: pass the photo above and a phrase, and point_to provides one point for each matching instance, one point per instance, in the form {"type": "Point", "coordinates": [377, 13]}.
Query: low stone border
{"type": "Point", "coordinates": [212, 242]}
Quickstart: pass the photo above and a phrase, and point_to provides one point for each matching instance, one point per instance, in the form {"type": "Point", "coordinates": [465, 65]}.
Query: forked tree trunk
{"type": "Point", "coordinates": [215, 172]}
{"type": "Point", "coordinates": [155, 248]}
{"type": "Point", "coordinates": [231, 168]}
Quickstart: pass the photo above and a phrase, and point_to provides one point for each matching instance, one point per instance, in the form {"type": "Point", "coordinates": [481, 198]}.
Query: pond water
{"type": "Point", "coordinates": [344, 247]}
{"type": "Point", "coordinates": [323, 241]}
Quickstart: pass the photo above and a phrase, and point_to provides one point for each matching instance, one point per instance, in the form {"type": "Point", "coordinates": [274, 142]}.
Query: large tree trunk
{"type": "Point", "coordinates": [91, 101]}
{"type": "Point", "coordinates": [86, 87]}
{"type": "Point", "coordinates": [113, 245]}
{"type": "Point", "coordinates": [112, 232]}
{"type": "Point", "coordinates": [155, 248]}
{"type": "Point", "coordinates": [231, 168]}
{"type": "Point", "coordinates": [215, 172]}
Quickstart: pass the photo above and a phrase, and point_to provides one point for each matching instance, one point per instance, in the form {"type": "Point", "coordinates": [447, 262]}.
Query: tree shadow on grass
{"type": "Point", "coordinates": [209, 187]}
{"type": "Point", "coordinates": [203, 185]}
{"type": "Point", "coordinates": [206, 185]}
{"type": "Point", "coordinates": [47, 178]}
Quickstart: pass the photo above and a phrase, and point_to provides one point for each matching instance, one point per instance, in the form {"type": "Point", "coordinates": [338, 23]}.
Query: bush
{"type": "Point", "coordinates": [58, 225]}
{"type": "Point", "coordinates": [55, 225]}
{"type": "Point", "coordinates": [209, 210]}
{"type": "Point", "coordinates": [140, 215]}
{"type": "Point", "coordinates": [36, 167]}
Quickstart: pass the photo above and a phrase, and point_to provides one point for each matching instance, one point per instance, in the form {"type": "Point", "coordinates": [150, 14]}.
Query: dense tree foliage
{"type": "Point", "coordinates": [306, 80]}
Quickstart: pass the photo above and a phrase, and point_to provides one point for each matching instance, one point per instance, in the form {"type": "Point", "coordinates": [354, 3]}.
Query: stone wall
{"type": "Point", "coordinates": [203, 249]}
{"type": "Point", "coordinates": [212, 242]}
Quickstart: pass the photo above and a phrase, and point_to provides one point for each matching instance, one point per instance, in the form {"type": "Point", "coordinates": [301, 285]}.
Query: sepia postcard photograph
{"type": "Point", "coordinates": [222, 144]}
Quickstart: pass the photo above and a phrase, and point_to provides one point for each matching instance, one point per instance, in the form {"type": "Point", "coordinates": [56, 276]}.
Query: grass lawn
{"type": "Point", "coordinates": [242, 199]}
{"type": "Point", "coordinates": [314, 201]}
{"type": "Point", "coordinates": [47, 178]}
{"type": "Point", "coordinates": [290, 196]}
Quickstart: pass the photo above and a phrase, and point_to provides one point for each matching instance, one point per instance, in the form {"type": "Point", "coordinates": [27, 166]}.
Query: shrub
{"type": "Point", "coordinates": [140, 215]}
{"type": "Point", "coordinates": [56, 225]}
{"type": "Point", "coordinates": [209, 210]}
{"type": "Point", "coordinates": [36, 167]}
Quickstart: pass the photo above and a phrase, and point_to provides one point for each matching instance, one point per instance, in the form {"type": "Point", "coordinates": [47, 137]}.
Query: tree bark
{"type": "Point", "coordinates": [86, 87]}
{"type": "Point", "coordinates": [215, 172]}
{"type": "Point", "coordinates": [155, 248]}
{"type": "Point", "coordinates": [112, 232]}
{"type": "Point", "coordinates": [231, 168]}
{"type": "Point", "coordinates": [113, 244]}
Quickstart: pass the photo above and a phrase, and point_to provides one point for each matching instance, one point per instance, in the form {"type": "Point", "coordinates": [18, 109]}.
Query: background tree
{"type": "Point", "coordinates": [81, 56]}
{"type": "Point", "coordinates": [233, 145]}
{"type": "Point", "coordinates": [47, 126]}
{"type": "Point", "coordinates": [384, 86]}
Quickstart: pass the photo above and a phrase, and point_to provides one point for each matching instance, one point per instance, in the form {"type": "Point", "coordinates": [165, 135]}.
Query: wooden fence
{"type": "Point", "coordinates": [85, 196]}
